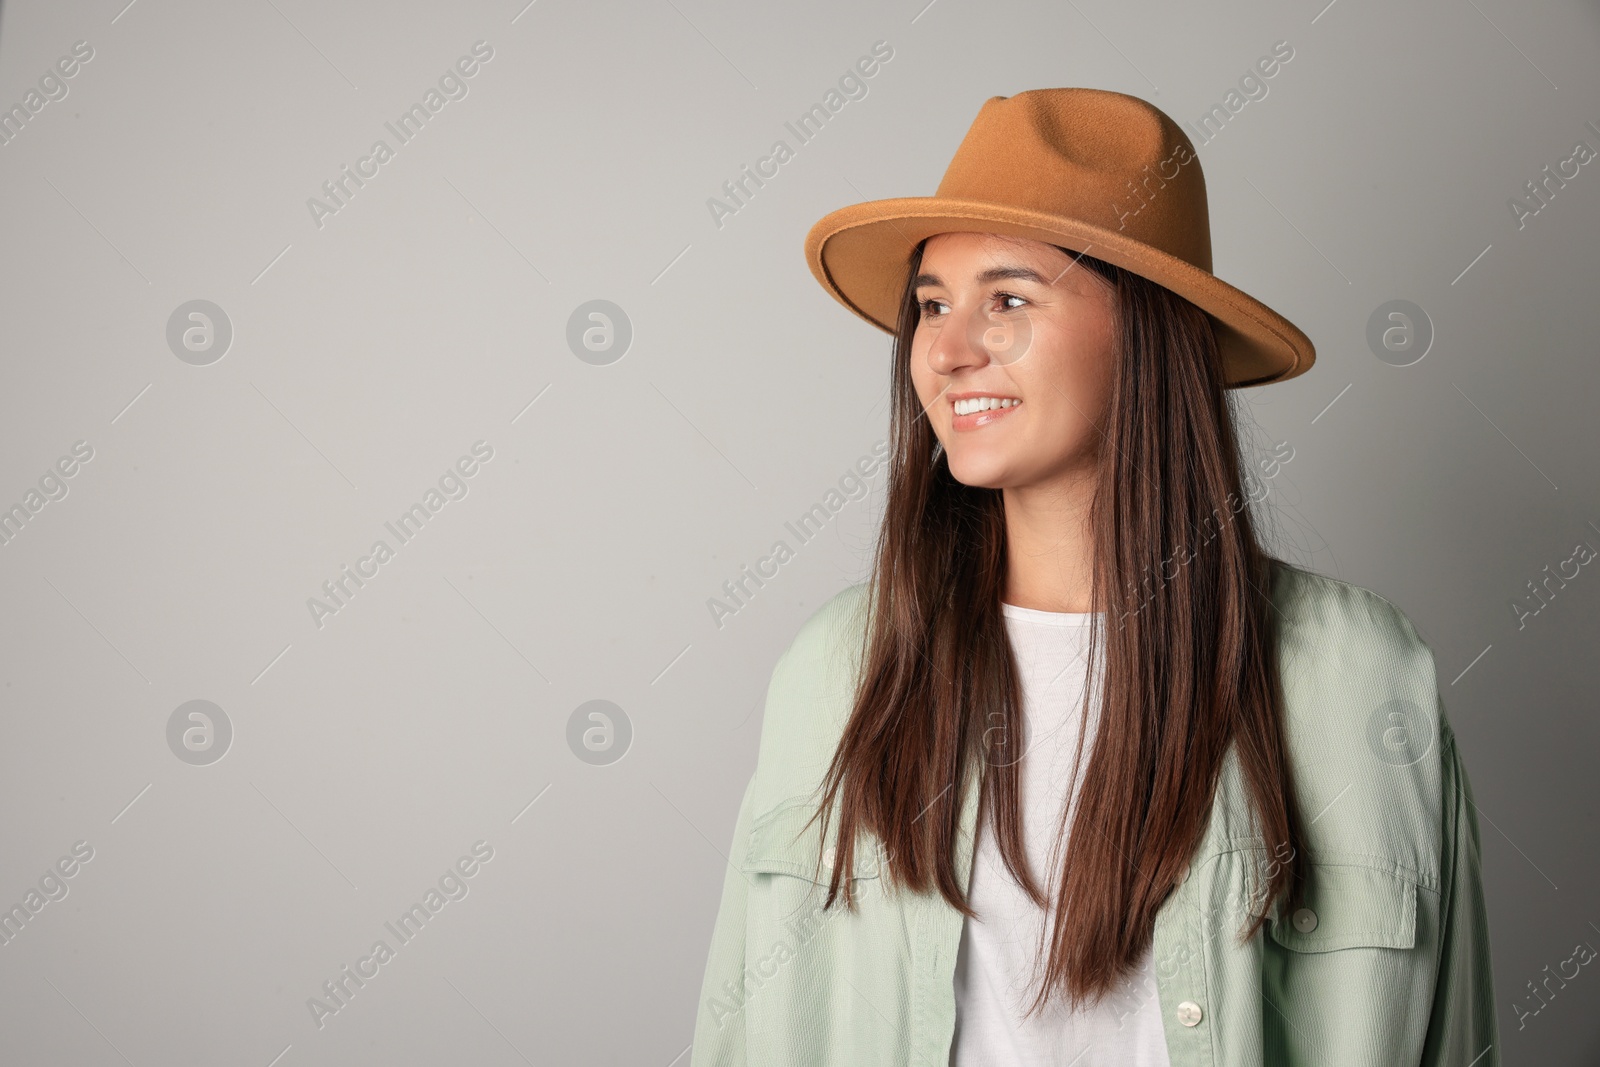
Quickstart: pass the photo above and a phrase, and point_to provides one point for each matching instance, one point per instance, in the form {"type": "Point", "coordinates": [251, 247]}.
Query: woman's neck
{"type": "Point", "coordinates": [1050, 545]}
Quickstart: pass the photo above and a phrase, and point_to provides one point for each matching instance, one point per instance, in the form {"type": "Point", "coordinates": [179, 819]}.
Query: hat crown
{"type": "Point", "coordinates": [1106, 158]}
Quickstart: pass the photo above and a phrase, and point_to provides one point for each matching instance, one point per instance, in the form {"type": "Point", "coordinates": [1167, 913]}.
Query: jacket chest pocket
{"type": "Point", "coordinates": [781, 842]}
{"type": "Point", "coordinates": [1348, 905]}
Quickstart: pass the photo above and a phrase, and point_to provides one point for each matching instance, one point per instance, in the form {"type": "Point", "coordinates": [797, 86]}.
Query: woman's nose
{"type": "Point", "coordinates": [959, 343]}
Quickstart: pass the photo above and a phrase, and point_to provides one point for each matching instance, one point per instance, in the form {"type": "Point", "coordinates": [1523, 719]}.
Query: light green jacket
{"type": "Point", "coordinates": [1387, 965]}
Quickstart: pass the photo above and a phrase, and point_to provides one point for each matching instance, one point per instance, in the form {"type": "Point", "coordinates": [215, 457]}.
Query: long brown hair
{"type": "Point", "coordinates": [1190, 663]}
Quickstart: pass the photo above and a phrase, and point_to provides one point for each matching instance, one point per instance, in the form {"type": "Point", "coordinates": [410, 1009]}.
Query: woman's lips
{"type": "Point", "coordinates": [977, 420]}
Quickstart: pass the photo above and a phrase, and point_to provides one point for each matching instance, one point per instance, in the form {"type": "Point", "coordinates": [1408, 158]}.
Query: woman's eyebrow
{"type": "Point", "coordinates": [993, 274]}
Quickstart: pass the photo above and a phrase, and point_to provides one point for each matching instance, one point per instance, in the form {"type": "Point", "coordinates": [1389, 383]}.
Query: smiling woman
{"type": "Point", "coordinates": [1053, 784]}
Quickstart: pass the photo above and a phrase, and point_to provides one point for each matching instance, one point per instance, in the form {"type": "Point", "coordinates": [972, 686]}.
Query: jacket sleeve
{"type": "Point", "coordinates": [719, 1035]}
{"type": "Point", "coordinates": [1462, 1031]}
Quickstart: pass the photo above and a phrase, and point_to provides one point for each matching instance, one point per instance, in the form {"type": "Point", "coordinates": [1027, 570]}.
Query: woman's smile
{"type": "Point", "coordinates": [974, 410]}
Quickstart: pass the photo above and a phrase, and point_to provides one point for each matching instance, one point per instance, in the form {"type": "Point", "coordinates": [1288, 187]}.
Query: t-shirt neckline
{"type": "Point", "coordinates": [1051, 618]}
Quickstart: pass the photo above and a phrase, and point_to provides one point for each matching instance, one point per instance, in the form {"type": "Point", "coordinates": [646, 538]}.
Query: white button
{"type": "Point", "coordinates": [827, 857]}
{"type": "Point", "coordinates": [1189, 1013]}
{"type": "Point", "coordinates": [1183, 872]}
{"type": "Point", "coordinates": [1305, 920]}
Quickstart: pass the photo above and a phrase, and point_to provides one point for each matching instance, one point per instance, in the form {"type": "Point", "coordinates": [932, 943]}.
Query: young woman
{"type": "Point", "coordinates": [1082, 775]}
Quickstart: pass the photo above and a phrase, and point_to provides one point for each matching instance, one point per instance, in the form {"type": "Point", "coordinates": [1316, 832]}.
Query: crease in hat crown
{"type": "Point", "coordinates": [1093, 170]}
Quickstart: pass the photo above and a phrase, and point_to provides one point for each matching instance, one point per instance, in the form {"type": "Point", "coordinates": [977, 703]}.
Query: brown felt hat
{"type": "Point", "coordinates": [1095, 171]}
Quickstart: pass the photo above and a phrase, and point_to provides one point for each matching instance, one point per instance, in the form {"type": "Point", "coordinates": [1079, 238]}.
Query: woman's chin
{"type": "Point", "coordinates": [980, 472]}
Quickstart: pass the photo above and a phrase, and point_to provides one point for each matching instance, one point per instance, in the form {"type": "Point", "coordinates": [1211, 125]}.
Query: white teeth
{"type": "Point", "coordinates": [983, 403]}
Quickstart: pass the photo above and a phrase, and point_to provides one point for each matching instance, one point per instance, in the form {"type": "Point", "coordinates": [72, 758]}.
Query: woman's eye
{"type": "Point", "coordinates": [926, 307]}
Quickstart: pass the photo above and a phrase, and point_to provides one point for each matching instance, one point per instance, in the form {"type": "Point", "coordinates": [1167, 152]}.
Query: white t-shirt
{"type": "Point", "coordinates": [998, 967]}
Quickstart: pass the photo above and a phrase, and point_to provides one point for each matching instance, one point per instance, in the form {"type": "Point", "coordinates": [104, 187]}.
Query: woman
{"type": "Point", "coordinates": [1082, 775]}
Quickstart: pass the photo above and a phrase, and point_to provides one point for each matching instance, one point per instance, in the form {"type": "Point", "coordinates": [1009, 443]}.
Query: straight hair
{"type": "Point", "coordinates": [1182, 592]}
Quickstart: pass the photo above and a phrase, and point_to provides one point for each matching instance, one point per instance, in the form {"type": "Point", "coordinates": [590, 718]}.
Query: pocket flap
{"type": "Point", "coordinates": [1349, 906]}
{"type": "Point", "coordinates": [782, 843]}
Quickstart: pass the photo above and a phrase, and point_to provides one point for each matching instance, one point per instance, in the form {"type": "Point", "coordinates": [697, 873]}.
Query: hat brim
{"type": "Point", "coordinates": [861, 256]}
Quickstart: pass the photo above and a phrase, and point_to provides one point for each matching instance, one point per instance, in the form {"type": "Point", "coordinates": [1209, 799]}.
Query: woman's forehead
{"type": "Point", "coordinates": [960, 257]}
{"type": "Point", "coordinates": [989, 246]}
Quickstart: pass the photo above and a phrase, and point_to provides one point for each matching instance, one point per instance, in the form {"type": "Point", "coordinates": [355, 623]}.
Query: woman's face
{"type": "Point", "coordinates": [1011, 321]}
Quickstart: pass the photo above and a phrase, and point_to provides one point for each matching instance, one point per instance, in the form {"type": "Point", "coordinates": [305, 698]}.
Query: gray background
{"type": "Point", "coordinates": [369, 354]}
